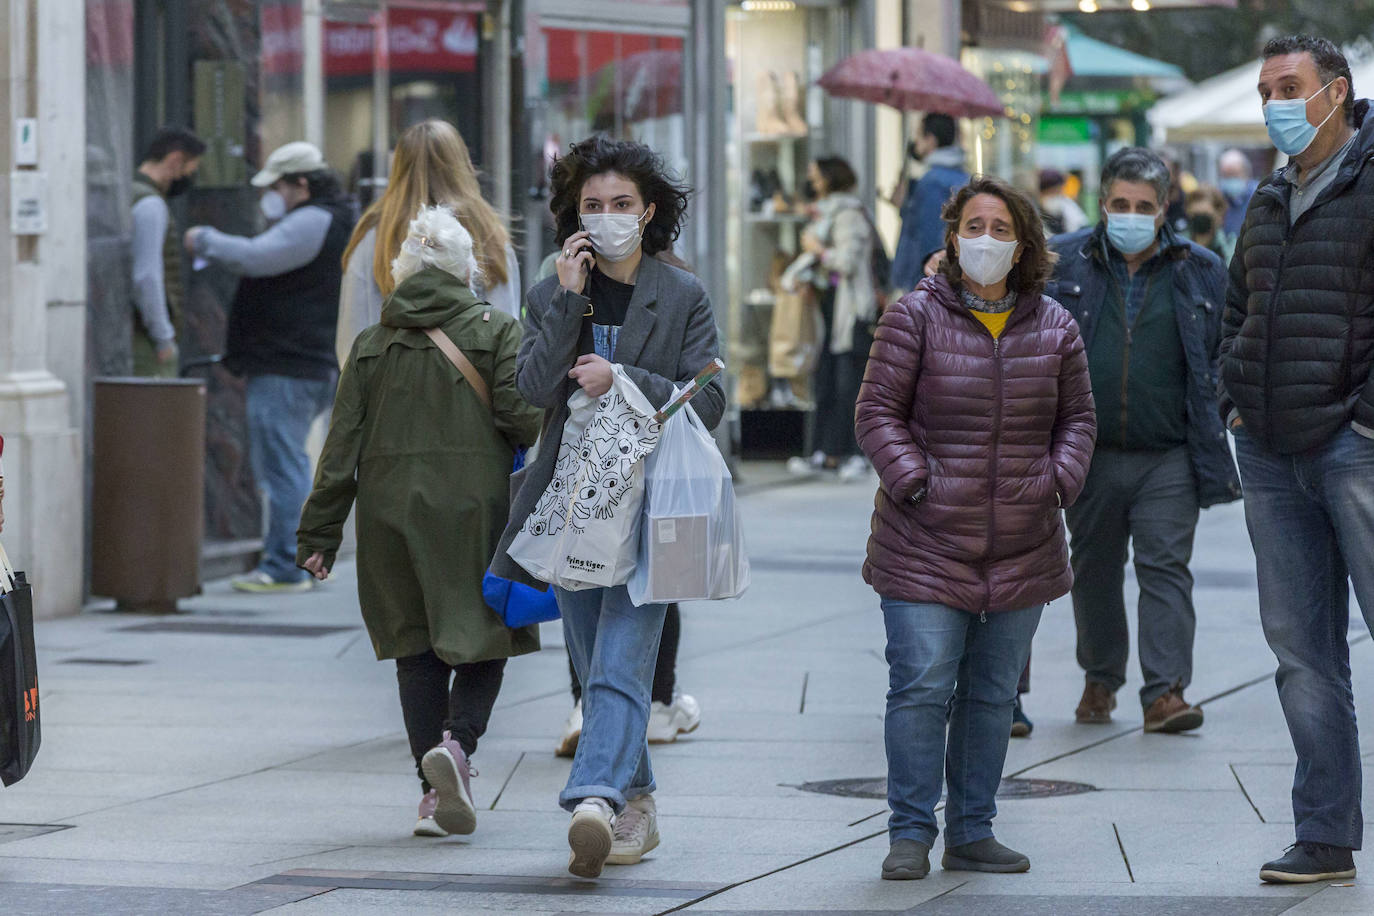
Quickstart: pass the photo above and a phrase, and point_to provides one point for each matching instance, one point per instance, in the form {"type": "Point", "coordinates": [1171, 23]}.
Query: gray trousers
{"type": "Point", "coordinates": [1147, 500]}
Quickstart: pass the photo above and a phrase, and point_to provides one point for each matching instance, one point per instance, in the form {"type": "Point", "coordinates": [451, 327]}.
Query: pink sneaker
{"type": "Point", "coordinates": [426, 826]}
{"type": "Point", "coordinates": [447, 769]}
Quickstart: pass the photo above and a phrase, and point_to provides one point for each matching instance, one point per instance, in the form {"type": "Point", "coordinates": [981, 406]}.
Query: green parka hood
{"type": "Point", "coordinates": [428, 299]}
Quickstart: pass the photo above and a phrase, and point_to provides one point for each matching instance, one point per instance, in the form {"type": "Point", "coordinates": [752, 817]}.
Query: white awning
{"type": "Point", "coordinates": [1226, 108]}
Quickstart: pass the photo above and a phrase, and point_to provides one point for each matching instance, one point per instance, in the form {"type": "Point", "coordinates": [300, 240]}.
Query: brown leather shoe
{"type": "Point", "coordinates": [1096, 706]}
{"type": "Point", "coordinates": [1171, 713]}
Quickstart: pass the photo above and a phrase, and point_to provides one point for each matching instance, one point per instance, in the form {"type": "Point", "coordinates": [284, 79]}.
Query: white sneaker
{"type": "Point", "coordinates": [590, 837]}
{"type": "Point", "coordinates": [855, 467]}
{"type": "Point", "coordinates": [572, 732]}
{"type": "Point", "coordinates": [636, 832]}
{"type": "Point", "coordinates": [802, 466]}
{"type": "Point", "coordinates": [681, 717]}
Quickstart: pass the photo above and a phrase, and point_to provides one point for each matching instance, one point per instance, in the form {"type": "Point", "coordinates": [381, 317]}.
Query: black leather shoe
{"type": "Point", "coordinates": [1304, 863]}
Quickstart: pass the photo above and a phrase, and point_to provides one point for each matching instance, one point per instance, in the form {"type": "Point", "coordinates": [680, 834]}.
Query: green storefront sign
{"type": "Point", "coordinates": [1100, 102]}
{"type": "Point", "coordinates": [1061, 131]}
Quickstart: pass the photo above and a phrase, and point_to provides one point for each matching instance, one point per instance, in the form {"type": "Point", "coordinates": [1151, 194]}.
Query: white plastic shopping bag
{"type": "Point", "coordinates": [584, 532]}
{"type": "Point", "coordinates": [691, 546]}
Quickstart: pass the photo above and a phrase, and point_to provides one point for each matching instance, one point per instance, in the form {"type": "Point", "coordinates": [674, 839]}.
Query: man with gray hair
{"type": "Point", "coordinates": [1233, 178]}
{"type": "Point", "coordinates": [1297, 370]}
{"type": "Point", "coordinates": [1148, 302]}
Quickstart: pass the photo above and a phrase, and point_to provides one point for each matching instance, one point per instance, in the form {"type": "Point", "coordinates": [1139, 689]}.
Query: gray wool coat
{"type": "Point", "coordinates": [668, 337]}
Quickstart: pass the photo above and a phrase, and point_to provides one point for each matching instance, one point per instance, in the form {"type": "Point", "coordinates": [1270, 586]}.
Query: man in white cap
{"type": "Point", "coordinates": [281, 336]}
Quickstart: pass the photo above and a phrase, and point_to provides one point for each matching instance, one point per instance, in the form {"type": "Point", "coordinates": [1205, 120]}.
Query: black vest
{"type": "Point", "coordinates": [285, 325]}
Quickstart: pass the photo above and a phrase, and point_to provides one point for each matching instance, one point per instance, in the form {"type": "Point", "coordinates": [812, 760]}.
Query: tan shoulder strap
{"type": "Point", "coordinates": [461, 363]}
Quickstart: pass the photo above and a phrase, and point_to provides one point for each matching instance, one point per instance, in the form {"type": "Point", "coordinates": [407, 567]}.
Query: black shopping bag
{"type": "Point", "coordinates": [19, 724]}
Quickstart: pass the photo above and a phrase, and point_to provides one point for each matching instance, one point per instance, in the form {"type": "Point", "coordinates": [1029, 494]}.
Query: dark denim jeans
{"type": "Point", "coordinates": [1147, 500]}
{"type": "Point", "coordinates": [280, 411]}
{"type": "Point", "coordinates": [935, 652]}
{"type": "Point", "coordinates": [1311, 521]}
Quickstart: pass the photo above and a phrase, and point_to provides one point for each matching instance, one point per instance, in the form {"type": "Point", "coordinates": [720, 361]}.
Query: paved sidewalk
{"type": "Point", "coordinates": [249, 756]}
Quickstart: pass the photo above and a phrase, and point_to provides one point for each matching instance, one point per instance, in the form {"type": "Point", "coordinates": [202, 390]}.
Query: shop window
{"type": "Point", "coordinates": [430, 66]}
{"type": "Point", "coordinates": [623, 84]}
{"type": "Point", "coordinates": [281, 65]}
{"type": "Point", "coordinates": [424, 60]}
{"type": "Point", "coordinates": [779, 120]}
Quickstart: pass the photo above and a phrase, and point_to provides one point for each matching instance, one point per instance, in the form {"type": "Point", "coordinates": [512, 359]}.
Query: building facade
{"type": "Point", "coordinates": [520, 78]}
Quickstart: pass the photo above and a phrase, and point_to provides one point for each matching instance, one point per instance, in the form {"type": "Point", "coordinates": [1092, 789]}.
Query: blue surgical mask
{"type": "Point", "coordinates": [1287, 124]}
{"type": "Point", "coordinates": [1131, 233]}
{"type": "Point", "coordinates": [1234, 188]}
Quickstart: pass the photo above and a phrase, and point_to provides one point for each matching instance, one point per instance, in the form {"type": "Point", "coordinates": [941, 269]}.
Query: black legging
{"type": "Point", "coordinates": [665, 669]}
{"type": "Point", "coordinates": [431, 705]}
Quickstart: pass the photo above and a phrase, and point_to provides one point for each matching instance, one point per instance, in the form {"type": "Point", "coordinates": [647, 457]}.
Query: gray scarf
{"type": "Point", "coordinates": [979, 304]}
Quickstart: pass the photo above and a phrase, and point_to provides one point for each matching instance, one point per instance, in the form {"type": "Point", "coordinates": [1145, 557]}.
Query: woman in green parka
{"type": "Point", "coordinates": [428, 462]}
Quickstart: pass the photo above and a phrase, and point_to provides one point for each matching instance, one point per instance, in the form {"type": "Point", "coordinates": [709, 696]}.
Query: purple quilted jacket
{"type": "Point", "coordinates": [977, 443]}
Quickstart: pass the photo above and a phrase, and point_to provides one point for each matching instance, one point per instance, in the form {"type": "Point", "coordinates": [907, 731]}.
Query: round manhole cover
{"type": "Point", "coordinates": [876, 787]}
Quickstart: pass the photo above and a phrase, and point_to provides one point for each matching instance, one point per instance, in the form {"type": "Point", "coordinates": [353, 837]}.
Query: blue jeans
{"type": "Point", "coordinates": [280, 411]}
{"type": "Point", "coordinates": [934, 653]}
{"type": "Point", "coordinates": [613, 646]}
{"type": "Point", "coordinates": [1311, 521]}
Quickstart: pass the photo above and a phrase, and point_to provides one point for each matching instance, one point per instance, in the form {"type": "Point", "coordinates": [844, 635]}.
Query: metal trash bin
{"type": "Point", "coordinates": [148, 491]}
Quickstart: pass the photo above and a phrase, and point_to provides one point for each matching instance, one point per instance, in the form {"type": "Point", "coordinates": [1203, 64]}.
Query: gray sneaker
{"type": "Point", "coordinates": [984, 855]}
{"type": "Point", "coordinates": [907, 860]}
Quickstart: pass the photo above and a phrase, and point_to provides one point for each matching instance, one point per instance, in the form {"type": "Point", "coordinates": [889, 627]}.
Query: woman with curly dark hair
{"type": "Point", "coordinates": [977, 413]}
{"type": "Point", "coordinates": [612, 302]}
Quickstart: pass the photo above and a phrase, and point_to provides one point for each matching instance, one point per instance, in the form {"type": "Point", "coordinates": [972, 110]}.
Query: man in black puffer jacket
{"type": "Point", "coordinates": [1297, 347]}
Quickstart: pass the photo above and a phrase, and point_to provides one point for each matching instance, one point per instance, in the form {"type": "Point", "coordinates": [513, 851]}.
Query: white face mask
{"type": "Point", "coordinates": [614, 236]}
{"type": "Point", "coordinates": [272, 205]}
{"type": "Point", "coordinates": [986, 260]}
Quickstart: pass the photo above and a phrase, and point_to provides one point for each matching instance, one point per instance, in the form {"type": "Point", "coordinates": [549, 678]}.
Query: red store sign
{"type": "Point", "coordinates": [418, 41]}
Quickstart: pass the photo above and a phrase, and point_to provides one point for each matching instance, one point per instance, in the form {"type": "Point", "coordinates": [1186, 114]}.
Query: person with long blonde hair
{"type": "Point", "coordinates": [431, 167]}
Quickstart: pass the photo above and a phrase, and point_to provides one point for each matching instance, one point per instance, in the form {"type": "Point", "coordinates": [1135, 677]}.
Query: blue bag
{"type": "Point", "coordinates": [518, 604]}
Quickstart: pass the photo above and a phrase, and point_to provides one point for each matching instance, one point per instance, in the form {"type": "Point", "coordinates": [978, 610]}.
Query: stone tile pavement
{"type": "Point", "coordinates": [248, 756]}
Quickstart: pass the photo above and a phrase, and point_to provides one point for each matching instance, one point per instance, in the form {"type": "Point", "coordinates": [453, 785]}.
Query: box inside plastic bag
{"type": "Point", "coordinates": [692, 538]}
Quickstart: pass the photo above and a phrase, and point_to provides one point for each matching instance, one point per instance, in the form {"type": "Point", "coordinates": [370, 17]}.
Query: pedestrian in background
{"type": "Point", "coordinates": [1206, 207]}
{"type": "Point", "coordinates": [977, 413]}
{"type": "Point", "coordinates": [923, 227]}
{"type": "Point", "coordinates": [168, 167]}
{"type": "Point", "coordinates": [281, 336]}
{"type": "Point", "coordinates": [427, 457]}
{"type": "Point", "coordinates": [1060, 212]}
{"type": "Point", "coordinates": [1237, 186]}
{"type": "Point", "coordinates": [612, 302]}
{"type": "Point", "coordinates": [1147, 302]}
{"type": "Point", "coordinates": [431, 167]}
{"type": "Point", "coordinates": [839, 243]}
{"type": "Point", "coordinates": [1297, 354]}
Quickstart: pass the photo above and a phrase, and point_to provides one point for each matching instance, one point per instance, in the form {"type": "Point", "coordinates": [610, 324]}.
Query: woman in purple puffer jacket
{"type": "Point", "coordinates": [977, 412]}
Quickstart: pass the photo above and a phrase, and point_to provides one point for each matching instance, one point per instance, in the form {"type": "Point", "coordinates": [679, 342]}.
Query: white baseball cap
{"type": "Point", "coordinates": [290, 159]}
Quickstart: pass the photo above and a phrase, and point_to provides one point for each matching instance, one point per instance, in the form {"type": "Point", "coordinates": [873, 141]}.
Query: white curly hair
{"type": "Point", "coordinates": [436, 239]}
